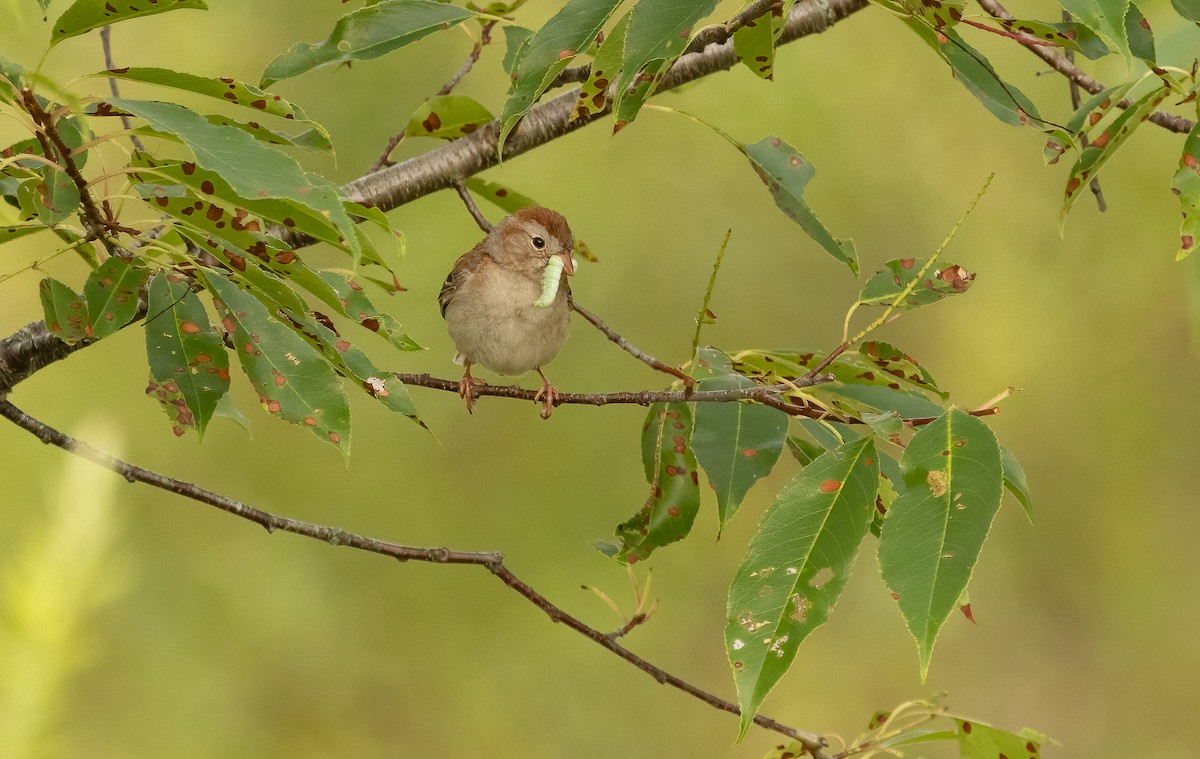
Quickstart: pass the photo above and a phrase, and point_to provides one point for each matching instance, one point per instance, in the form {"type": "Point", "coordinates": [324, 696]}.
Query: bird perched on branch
{"type": "Point", "coordinates": [507, 303]}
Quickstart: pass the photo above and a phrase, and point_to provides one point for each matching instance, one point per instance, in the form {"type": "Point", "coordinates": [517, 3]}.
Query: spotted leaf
{"type": "Point", "coordinates": [796, 567]}
{"type": "Point", "coordinates": [1186, 186]}
{"type": "Point", "coordinates": [448, 117]}
{"type": "Point", "coordinates": [1084, 121]}
{"type": "Point", "coordinates": [111, 293]}
{"type": "Point", "coordinates": [736, 443]}
{"type": "Point", "coordinates": [65, 312]}
{"type": "Point", "coordinates": [86, 15]}
{"type": "Point", "coordinates": [540, 59]}
{"type": "Point", "coordinates": [934, 531]}
{"type": "Point", "coordinates": [1104, 17]}
{"type": "Point", "coordinates": [754, 44]}
{"type": "Point", "coordinates": [907, 283]}
{"type": "Point", "coordinates": [672, 472]}
{"type": "Point", "coordinates": [293, 381]}
{"type": "Point", "coordinates": [189, 367]}
{"type": "Point", "coordinates": [977, 740]}
{"type": "Point", "coordinates": [593, 93]}
{"type": "Point", "coordinates": [786, 173]}
{"type": "Point", "coordinates": [365, 34]}
{"type": "Point", "coordinates": [505, 198]}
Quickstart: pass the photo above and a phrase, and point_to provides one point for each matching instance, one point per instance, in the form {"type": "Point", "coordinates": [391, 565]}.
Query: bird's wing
{"type": "Point", "coordinates": [464, 269]}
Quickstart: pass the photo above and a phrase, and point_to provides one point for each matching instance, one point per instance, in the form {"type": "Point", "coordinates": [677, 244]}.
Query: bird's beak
{"type": "Point", "coordinates": [568, 262]}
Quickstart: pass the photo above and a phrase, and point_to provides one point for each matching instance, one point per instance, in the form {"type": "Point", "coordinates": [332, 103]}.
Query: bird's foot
{"type": "Point", "coordinates": [547, 395]}
{"type": "Point", "coordinates": [465, 390]}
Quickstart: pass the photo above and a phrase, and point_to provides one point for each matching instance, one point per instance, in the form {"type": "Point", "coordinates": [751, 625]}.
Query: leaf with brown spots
{"type": "Point", "coordinates": [540, 58]}
{"type": "Point", "coordinates": [1186, 186]}
{"type": "Point", "coordinates": [796, 567]}
{"type": "Point", "coordinates": [786, 172]}
{"type": "Point", "coordinates": [65, 312]}
{"type": "Point", "coordinates": [1085, 122]}
{"type": "Point", "coordinates": [906, 283]}
{"type": "Point", "coordinates": [977, 740]}
{"type": "Point", "coordinates": [503, 197]}
{"type": "Point", "coordinates": [736, 443]}
{"type": "Point", "coordinates": [593, 94]}
{"type": "Point", "coordinates": [1041, 31]}
{"type": "Point", "coordinates": [754, 44]}
{"type": "Point", "coordinates": [672, 472]}
{"type": "Point", "coordinates": [448, 117]}
{"type": "Point", "coordinates": [356, 304]}
{"type": "Point", "coordinates": [86, 15]}
{"type": "Point", "coordinates": [111, 293]}
{"type": "Point", "coordinates": [189, 367]}
{"type": "Point", "coordinates": [935, 530]}
{"type": "Point", "coordinates": [365, 34]}
{"type": "Point", "coordinates": [294, 382]}
{"type": "Point", "coordinates": [1105, 144]}
{"type": "Point", "coordinates": [1104, 17]}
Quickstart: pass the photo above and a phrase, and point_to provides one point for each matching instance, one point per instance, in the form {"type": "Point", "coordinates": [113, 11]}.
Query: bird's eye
{"type": "Point", "coordinates": [539, 243]}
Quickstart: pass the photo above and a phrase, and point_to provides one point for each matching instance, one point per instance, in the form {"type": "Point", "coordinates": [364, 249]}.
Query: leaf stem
{"type": "Point", "coordinates": [712, 280]}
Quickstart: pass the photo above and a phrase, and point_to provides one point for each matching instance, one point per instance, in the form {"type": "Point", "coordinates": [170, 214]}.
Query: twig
{"type": "Point", "coordinates": [1063, 66]}
{"type": "Point", "coordinates": [491, 561]}
{"type": "Point", "coordinates": [106, 45]}
{"type": "Point", "coordinates": [633, 350]}
{"type": "Point", "coordinates": [469, 202]}
{"type": "Point", "coordinates": [1076, 101]}
{"type": "Point", "coordinates": [712, 281]}
{"type": "Point", "coordinates": [485, 36]}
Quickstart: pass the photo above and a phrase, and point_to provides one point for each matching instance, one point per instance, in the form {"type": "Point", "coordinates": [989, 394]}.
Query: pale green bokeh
{"type": "Point", "coordinates": [230, 642]}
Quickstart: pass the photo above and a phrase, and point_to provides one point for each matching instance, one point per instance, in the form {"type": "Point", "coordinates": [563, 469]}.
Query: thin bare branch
{"type": "Point", "coordinates": [106, 46]}
{"type": "Point", "coordinates": [632, 349]}
{"type": "Point", "coordinates": [469, 202]}
{"type": "Point", "coordinates": [491, 561]}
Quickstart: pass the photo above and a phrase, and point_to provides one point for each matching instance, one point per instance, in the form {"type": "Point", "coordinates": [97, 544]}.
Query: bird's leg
{"type": "Point", "coordinates": [546, 395]}
{"type": "Point", "coordinates": [464, 386]}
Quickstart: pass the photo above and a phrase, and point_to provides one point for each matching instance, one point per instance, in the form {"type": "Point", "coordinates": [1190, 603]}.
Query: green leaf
{"type": "Point", "coordinates": [1015, 482]}
{"type": "Point", "coordinates": [293, 380]}
{"type": "Point", "coordinates": [354, 303]}
{"type": "Point", "coordinates": [1105, 144]}
{"type": "Point", "coordinates": [65, 311]}
{"type": "Point", "coordinates": [658, 33]}
{"type": "Point", "coordinates": [933, 533]}
{"type": "Point", "coordinates": [1186, 185]}
{"type": "Point", "coordinates": [365, 34]}
{"type": "Point", "coordinates": [1141, 38]}
{"type": "Point", "coordinates": [225, 89]}
{"type": "Point", "coordinates": [804, 451]}
{"type": "Point", "coordinates": [786, 172]}
{"type": "Point", "coordinates": [797, 566]}
{"type": "Point", "coordinates": [86, 15]}
{"type": "Point", "coordinates": [907, 283]}
{"type": "Point", "coordinates": [515, 39]}
{"type": "Point", "coordinates": [448, 117]}
{"type": "Point", "coordinates": [674, 495]}
{"type": "Point", "coordinates": [1090, 113]}
{"type": "Point", "coordinates": [12, 81]}
{"type": "Point", "coordinates": [567, 34]}
{"type": "Point", "coordinates": [1104, 17]}
{"type": "Point", "coordinates": [51, 196]}
{"type": "Point", "coordinates": [1189, 9]}
{"type": "Point", "coordinates": [979, 741]}
{"type": "Point", "coordinates": [736, 443]}
{"type": "Point", "coordinates": [891, 360]}
{"type": "Point", "coordinates": [252, 169]}
{"type": "Point", "coordinates": [189, 368]}
{"type": "Point", "coordinates": [505, 198]}
{"type": "Point", "coordinates": [1087, 41]}
{"type": "Point", "coordinates": [972, 68]}
{"type": "Point", "coordinates": [111, 293]}
{"type": "Point", "coordinates": [939, 13]}
{"type": "Point", "coordinates": [593, 94]}
{"type": "Point", "coordinates": [754, 44]}
{"type": "Point", "coordinates": [1041, 31]}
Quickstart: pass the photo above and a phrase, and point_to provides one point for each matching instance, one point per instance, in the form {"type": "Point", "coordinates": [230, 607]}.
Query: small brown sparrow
{"type": "Point", "coordinates": [488, 300]}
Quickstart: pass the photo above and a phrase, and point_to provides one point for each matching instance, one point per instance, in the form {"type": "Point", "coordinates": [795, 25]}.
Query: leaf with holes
{"type": "Point", "coordinates": [674, 495]}
{"type": "Point", "coordinates": [567, 34]}
{"type": "Point", "coordinates": [448, 117]}
{"type": "Point", "coordinates": [786, 173]}
{"type": "Point", "coordinates": [593, 93]}
{"type": "Point", "coordinates": [293, 381]}
{"type": "Point", "coordinates": [1186, 185]}
{"type": "Point", "coordinates": [111, 293]}
{"type": "Point", "coordinates": [86, 15]}
{"type": "Point", "coordinates": [972, 68]}
{"type": "Point", "coordinates": [365, 34]}
{"type": "Point", "coordinates": [796, 567]}
{"type": "Point", "coordinates": [909, 282]}
{"type": "Point", "coordinates": [754, 44]}
{"type": "Point", "coordinates": [252, 169]}
{"type": "Point", "coordinates": [736, 443]}
{"type": "Point", "coordinates": [658, 33]}
{"type": "Point", "coordinates": [65, 312]}
{"type": "Point", "coordinates": [1105, 144]}
{"type": "Point", "coordinates": [932, 536]}
{"type": "Point", "coordinates": [189, 368]}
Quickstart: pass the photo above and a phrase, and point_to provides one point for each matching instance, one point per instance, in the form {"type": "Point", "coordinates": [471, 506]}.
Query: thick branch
{"type": "Point", "coordinates": [491, 561]}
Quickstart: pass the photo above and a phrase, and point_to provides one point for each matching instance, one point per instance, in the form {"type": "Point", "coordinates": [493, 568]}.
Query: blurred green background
{"type": "Point", "coordinates": [136, 623]}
